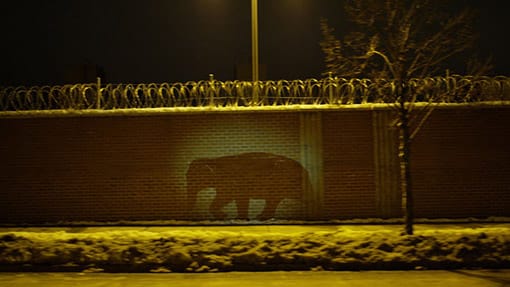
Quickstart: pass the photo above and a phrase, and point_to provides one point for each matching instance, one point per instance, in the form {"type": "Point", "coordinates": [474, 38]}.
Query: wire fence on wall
{"type": "Point", "coordinates": [213, 93]}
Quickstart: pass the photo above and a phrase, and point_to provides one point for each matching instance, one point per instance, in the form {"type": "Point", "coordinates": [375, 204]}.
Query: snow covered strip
{"type": "Point", "coordinates": [213, 251]}
{"type": "Point", "coordinates": [293, 108]}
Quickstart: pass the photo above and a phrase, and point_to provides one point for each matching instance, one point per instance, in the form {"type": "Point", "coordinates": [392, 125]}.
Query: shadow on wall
{"type": "Point", "coordinates": [245, 177]}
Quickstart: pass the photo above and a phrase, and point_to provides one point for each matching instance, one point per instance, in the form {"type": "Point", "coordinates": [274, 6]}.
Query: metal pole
{"type": "Point", "coordinates": [254, 41]}
{"type": "Point", "coordinates": [254, 51]}
{"type": "Point", "coordinates": [211, 90]}
{"type": "Point", "coordinates": [98, 93]}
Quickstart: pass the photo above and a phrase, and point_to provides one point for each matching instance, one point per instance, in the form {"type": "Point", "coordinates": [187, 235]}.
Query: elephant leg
{"type": "Point", "coordinates": [216, 207]}
{"type": "Point", "coordinates": [269, 209]}
{"type": "Point", "coordinates": [243, 205]}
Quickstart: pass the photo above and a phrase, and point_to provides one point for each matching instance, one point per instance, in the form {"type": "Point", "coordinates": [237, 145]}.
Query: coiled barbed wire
{"type": "Point", "coordinates": [213, 93]}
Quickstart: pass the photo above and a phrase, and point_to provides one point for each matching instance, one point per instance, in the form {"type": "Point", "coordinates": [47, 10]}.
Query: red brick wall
{"type": "Point", "coordinates": [349, 190]}
{"type": "Point", "coordinates": [460, 164]}
{"type": "Point", "coordinates": [133, 168]}
{"type": "Point", "coordinates": [123, 168]}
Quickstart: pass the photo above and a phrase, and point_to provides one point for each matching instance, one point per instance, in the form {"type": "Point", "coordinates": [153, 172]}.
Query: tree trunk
{"type": "Point", "coordinates": [405, 168]}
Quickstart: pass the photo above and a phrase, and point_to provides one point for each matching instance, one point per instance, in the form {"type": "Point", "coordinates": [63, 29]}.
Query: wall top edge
{"type": "Point", "coordinates": [247, 109]}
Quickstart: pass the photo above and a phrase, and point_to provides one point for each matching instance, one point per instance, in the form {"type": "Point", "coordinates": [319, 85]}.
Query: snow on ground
{"type": "Point", "coordinates": [210, 250]}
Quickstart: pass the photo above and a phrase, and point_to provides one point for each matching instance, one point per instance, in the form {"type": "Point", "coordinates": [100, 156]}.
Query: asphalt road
{"type": "Point", "coordinates": [422, 278]}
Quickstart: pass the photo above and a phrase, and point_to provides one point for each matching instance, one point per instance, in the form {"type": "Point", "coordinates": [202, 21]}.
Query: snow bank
{"type": "Point", "coordinates": [209, 251]}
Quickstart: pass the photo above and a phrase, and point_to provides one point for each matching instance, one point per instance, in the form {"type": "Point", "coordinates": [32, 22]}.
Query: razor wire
{"type": "Point", "coordinates": [213, 93]}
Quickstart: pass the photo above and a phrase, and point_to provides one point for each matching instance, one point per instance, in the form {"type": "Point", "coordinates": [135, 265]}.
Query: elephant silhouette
{"type": "Point", "coordinates": [256, 175]}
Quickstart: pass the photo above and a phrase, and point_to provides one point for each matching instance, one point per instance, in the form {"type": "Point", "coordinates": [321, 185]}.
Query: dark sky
{"type": "Point", "coordinates": [43, 42]}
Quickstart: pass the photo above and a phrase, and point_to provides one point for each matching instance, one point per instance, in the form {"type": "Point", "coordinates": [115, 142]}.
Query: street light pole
{"type": "Point", "coordinates": [254, 41]}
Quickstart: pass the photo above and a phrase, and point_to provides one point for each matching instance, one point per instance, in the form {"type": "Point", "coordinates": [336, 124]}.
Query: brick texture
{"type": "Point", "coordinates": [124, 168]}
{"type": "Point", "coordinates": [460, 164]}
{"type": "Point", "coordinates": [349, 190]}
{"type": "Point", "coordinates": [115, 168]}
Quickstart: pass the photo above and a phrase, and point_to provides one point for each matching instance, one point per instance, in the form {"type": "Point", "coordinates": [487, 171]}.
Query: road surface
{"type": "Point", "coordinates": [453, 278]}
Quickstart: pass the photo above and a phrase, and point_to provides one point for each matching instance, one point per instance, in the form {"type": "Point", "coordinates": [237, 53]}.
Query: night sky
{"type": "Point", "coordinates": [47, 41]}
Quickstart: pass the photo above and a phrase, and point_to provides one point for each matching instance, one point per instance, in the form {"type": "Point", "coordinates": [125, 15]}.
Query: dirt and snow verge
{"type": "Point", "coordinates": [209, 251]}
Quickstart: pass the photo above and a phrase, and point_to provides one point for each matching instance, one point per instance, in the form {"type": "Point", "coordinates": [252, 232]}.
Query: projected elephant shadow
{"type": "Point", "coordinates": [246, 176]}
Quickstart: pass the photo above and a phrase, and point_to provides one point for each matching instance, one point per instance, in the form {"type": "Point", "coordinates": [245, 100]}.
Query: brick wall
{"type": "Point", "coordinates": [125, 168]}
{"type": "Point", "coordinates": [111, 168]}
{"type": "Point", "coordinates": [460, 164]}
{"type": "Point", "coordinates": [349, 190]}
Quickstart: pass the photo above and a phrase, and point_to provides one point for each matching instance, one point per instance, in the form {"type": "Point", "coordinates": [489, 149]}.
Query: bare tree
{"type": "Point", "coordinates": [399, 40]}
